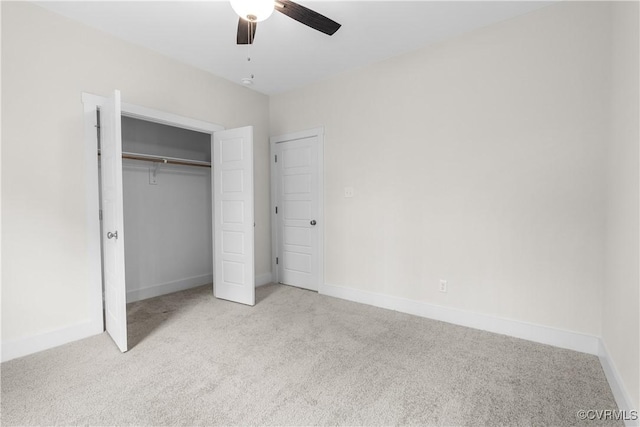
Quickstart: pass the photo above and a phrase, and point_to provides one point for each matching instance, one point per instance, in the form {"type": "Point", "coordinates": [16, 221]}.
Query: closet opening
{"type": "Point", "coordinates": [169, 205]}
{"type": "Point", "coordinates": [167, 199]}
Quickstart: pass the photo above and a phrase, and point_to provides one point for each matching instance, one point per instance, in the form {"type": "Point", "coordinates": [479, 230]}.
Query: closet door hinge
{"type": "Point", "coordinates": [100, 214]}
{"type": "Point", "coordinates": [276, 210]}
{"type": "Point", "coordinates": [277, 260]}
{"type": "Point", "coordinates": [276, 158]}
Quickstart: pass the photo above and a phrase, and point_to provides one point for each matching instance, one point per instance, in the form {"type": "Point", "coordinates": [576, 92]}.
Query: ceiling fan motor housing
{"type": "Point", "coordinates": [253, 10]}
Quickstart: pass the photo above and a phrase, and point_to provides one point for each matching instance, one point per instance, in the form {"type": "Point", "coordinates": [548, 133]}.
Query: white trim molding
{"type": "Point", "coordinates": [620, 394]}
{"type": "Point", "coordinates": [92, 208]}
{"type": "Point", "coordinates": [181, 285]}
{"type": "Point", "coordinates": [542, 334]}
{"type": "Point", "coordinates": [92, 103]}
{"type": "Point", "coordinates": [33, 344]}
{"type": "Point", "coordinates": [168, 288]}
{"type": "Point", "coordinates": [528, 331]}
{"type": "Point", "coordinates": [317, 133]}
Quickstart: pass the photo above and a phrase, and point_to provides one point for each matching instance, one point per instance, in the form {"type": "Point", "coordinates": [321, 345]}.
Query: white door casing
{"type": "Point", "coordinates": [233, 216]}
{"type": "Point", "coordinates": [297, 189]}
{"type": "Point", "coordinates": [236, 159]}
{"type": "Point", "coordinates": [113, 221]}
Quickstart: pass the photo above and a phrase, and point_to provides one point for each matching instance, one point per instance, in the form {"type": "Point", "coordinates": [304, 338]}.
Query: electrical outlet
{"type": "Point", "coordinates": [443, 286]}
{"type": "Point", "coordinates": [348, 191]}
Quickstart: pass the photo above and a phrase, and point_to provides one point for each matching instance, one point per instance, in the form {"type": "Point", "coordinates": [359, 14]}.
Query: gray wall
{"type": "Point", "coordinates": [168, 224]}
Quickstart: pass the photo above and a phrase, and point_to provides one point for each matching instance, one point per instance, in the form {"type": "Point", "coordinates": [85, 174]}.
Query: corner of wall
{"type": "Point", "coordinates": [263, 279]}
{"type": "Point", "coordinates": [620, 394]}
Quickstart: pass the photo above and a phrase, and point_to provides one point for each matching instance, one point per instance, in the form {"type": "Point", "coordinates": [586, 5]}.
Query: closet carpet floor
{"type": "Point", "coordinates": [299, 358]}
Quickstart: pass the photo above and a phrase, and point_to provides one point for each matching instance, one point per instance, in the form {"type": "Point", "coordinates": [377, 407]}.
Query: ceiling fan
{"type": "Point", "coordinates": [253, 11]}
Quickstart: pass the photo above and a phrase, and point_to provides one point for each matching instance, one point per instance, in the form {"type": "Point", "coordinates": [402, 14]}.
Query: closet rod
{"type": "Point", "coordinates": [169, 160]}
{"type": "Point", "coordinates": [166, 160]}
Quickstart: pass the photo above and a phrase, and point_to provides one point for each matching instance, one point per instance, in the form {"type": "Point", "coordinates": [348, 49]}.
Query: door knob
{"type": "Point", "coordinates": [111, 235]}
{"type": "Point", "coordinates": [313, 222]}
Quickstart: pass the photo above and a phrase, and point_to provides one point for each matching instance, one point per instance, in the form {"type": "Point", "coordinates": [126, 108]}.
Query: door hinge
{"type": "Point", "coordinates": [276, 210]}
{"type": "Point", "coordinates": [276, 158]}
{"type": "Point", "coordinates": [100, 214]}
{"type": "Point", "coordinates": [277, 260]}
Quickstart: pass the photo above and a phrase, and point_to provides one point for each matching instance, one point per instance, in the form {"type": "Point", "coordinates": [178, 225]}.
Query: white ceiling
{"type": "Point", "coordinates": [287, 54]}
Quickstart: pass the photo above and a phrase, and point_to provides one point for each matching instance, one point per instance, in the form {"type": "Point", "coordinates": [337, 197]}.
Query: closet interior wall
{"type": "Point", "coordinates": [167, 210]}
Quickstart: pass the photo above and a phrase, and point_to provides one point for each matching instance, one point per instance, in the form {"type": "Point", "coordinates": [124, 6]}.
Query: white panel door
{"type": "Point", "coordinates": [233, 223]}
{"type": "Point", "coordinates": [297, 218]}
{"type": "Point", "coordinates": [112, 221]}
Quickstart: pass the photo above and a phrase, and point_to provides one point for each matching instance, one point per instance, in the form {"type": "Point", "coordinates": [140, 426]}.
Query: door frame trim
{"type": "Point", "coordinates": [91, 103]}
{"type": "Point", "coordinates": [318, 133]}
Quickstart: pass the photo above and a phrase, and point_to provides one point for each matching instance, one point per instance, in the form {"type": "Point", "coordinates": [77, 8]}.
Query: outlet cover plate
{"type": "Point", "coordinates": [348, 192]}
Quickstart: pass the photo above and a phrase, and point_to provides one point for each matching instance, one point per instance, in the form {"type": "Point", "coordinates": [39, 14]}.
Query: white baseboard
{"type": "Point", "coordinates": [23, 347]}
{"type": "Point", "coordinates": [263, 279]}
{"type": "Point", "coordinates": [181, 285]}
{"type": "Point", "coordinates": [168, 288]}
{"type": "Point", "coordinates": [514, 328]}
{"type": "Point", "coordinates": [617, 386]}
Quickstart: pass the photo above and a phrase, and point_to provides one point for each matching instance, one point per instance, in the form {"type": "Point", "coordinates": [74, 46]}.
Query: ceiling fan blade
{"type": "Point", "coordinates": [307, 16]}
{"type": "Point", "coordinates": [246, 32]}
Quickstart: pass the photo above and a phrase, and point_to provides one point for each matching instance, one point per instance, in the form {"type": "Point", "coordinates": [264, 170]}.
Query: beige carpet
{"type": "Point", "coordinates": [299, 358]}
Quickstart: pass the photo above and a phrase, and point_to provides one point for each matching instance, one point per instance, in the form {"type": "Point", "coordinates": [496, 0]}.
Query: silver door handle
{"type": "Point", "coordinates": [111, 235]}
{"type": "Point", "coordinates": [313, 222]}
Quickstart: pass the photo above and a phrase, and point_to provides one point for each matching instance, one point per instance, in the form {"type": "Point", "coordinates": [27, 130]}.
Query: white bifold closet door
{"type": "Point", "coordinates": [115, 291]}
{"type": "Point", "coordinates": [233, 222]}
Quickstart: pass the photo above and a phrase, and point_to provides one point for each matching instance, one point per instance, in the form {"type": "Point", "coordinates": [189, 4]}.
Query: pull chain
{"type": "Point", "coordinates": [250, 38]}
